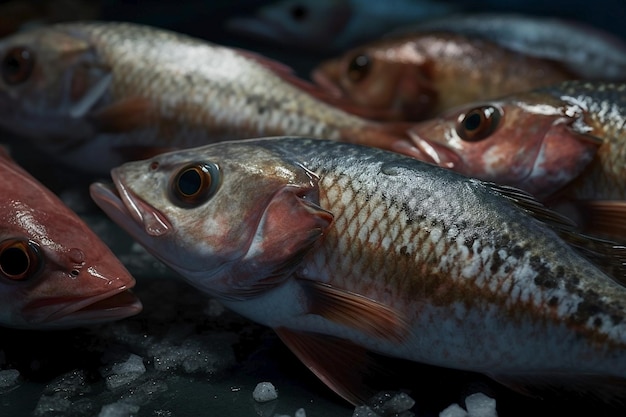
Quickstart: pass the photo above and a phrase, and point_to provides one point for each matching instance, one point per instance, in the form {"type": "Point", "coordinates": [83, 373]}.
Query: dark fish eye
{"type": "Point", "coordinates": [20, 259]}
{"type": "Point", "coordinates": [478, 123]}
{"type": "Point", "coordinates": [195, 183]}
{"type": "Point", "coordinates": [299, 12]}
{"type": "Point", "coordinates": [359, 67]}
{"type": "Point", "coordinates": [17, 65]}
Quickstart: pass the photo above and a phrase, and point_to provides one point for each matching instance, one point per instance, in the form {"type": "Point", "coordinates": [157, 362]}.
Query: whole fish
{"type": "Point", "coordinates": [415, 76]}
{"type": "Point", "coordinates": [344, 249]}
{"type": "Point", "coordinates": [587, 51]}
{"type": "Point", "coordinates": [98, 94]}
{"type": "Point", "coordinates": [565, 143]}
{"type": "Point", "coordinates": [333, 24]}
{"type": "Point", "coordinates": [54, 271]}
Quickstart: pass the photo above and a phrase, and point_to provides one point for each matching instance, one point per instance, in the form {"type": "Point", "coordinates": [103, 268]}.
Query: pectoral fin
{"type": "Point", "coordinates": [125, 115]}
{"type": "Point", "coordinates": [340, 364]}
{"type": "Point", "coordinates": [357, 312]}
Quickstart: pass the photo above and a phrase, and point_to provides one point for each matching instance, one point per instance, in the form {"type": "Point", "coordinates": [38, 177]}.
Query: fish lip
{"type": "Point", "coordinates": [326, 83]}
{"type": "Point", "coordinates": [90, 310]}
{"type": "Point", "coordinates": [435, 153]}
{"type": "Point", "coordinates": [125, 202]}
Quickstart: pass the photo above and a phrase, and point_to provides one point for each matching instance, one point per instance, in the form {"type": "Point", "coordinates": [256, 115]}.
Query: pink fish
{"type": "Point", "coordinates": [54, 271]}
{"type": "Point", "coordinates": [563, 143]}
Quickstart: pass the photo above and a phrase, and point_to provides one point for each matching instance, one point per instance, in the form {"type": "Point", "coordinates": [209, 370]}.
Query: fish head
{"type": "Point", "coordinates": [54, 271]}
{"type": "Point", "coordinates": [233, 219]}
{"type": "Point", "coordinates": [48, 77]}
{"type": "Point", "coordinates": [535, 143]}
{"type": "Point", "coordinates": [303, 23]}
{"type": "Point", "coordinates": [384, 80]}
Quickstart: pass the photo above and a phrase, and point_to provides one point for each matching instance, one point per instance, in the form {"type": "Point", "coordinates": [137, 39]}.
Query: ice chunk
{"type": "Point", "coordinates": [9, 378]}
{"type": "Point", "coordinates": [52, 405]}
{"type": "Point", "coordinates": [300, 413]}
{"type": "Point", "coordinates": [264, 391]}
{"type": "Point", "coordinates": [480, 405]}
{"type": "Point", "coordinates": [124, 372]}
{"type": "Point", "coordinates": [454, 410]}
{"type": "Point", "coordinates": [364, 411]}
{"type": "Point", "coordinates": [118, 409]}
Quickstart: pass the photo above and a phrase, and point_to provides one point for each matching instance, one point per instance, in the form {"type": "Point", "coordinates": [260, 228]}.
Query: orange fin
{"type": "Point", "coordinates": [125, 115]}
{"type": "Point", "coordinates": [392, 136]}
{"type": "Point", "coordinates": [342, 365]}
{"type": "Point", "coordinates": [606, 388]}
{"type": "Point", "coordinates": [356, 311]}
{"type": "Point", "coordinates": [603, 217]}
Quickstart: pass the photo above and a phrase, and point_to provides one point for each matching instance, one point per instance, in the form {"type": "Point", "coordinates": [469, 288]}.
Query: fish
{"type": "Point", "coordinates": [54, 271]}
{"type": "Point", "coordinates": [586, 50]}
{"type": "Point", "coordinates": [344, 249]}
{"type": "Point", "coordinates": [416, 76]}
{"type": "Point", "coordinates": [334, 25]}
{"type": "Point", "coordinates": [97, 94]}
{"type": "Point", "coordinates": [564, 143]}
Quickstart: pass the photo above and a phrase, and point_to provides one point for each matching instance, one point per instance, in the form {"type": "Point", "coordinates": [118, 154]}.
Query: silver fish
{"type": "Point", "coordinates": [344, 249]}
{"type": "Point", "coordinates": [98, 94]}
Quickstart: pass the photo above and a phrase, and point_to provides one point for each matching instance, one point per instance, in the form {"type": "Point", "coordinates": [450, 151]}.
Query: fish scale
{"type": "Point", "coordinates": [122, 91]}
{"type": "Point", "coordinates": [419, 262]}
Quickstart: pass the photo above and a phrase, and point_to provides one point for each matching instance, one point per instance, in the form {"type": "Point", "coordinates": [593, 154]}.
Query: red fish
{"type": "Point", "coordinates": [565, 144]}
{"type": "Point", "coordinates": [415, 76]}
{"type": "Point", "coordinates": [54, 271]}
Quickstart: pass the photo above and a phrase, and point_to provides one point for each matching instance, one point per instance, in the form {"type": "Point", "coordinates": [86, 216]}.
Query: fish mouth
{"type": "Point", "coordinates": [109, 306]}
{"type": "Point", "coordinates": [435, 153]}
{"type": "Point", "coordinates": [129, 210]}
{"type": "Point", "coordinates": [327, 83]}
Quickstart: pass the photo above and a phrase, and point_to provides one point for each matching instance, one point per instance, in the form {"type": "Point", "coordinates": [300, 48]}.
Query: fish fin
{"type": "Point", "coordinates": [392, 136]}
{"type": "Point", "coordinates": [285, 72]}
{"type": "Point", "coordinates": [89, 83]}
{"type": "Point", "coordinates": [606, 388]}
{"type": "Point", "coordinates": [342, 365]}
{"type": "Point", "coordinates": [357, 312]}
{"type": "Point", "coordinates": [607, 255]}
{"type": "Point", "coordinates": [532, 206]}
{"type": "Point", "coordinates": [125, 115]}
{"type": "Point", "coordinates": [603, 217]}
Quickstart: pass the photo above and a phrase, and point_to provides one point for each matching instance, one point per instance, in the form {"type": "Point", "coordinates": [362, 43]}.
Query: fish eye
{"type": "Point", "coordinates": [195, 183]}
{"type": "Point", "coordinates": [359, 67]}
{"type": "Point", "coordinates": [20, 259]}
{"type": "Point", "coordinates": [17, 65]}
{"type": "Point", "coordinates": [299, 12]}
{"type": "Point", "coordinates": [478, 123]}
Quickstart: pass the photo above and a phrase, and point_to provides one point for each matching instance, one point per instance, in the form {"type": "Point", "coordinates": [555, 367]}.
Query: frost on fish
{"type": "Point", "coordinates": [410, 245]}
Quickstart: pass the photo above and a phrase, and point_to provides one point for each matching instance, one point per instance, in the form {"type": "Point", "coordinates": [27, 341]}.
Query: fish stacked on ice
{"type": "Point", "coordinates": [342, 248]}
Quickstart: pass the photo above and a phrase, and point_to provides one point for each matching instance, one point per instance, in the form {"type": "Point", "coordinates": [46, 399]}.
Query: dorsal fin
{"type": "Point", "coordinates": [608, 256]}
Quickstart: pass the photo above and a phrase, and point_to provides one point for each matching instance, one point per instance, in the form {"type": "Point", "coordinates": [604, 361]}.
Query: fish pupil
{"type": "Point", "coordinates": [473, 121]}
{"type": "Point", "coordinates": [190, 182]}
{"type": "Point", "coordinates": [359, 67]}
{"type": "Point", "coordinates": [14, 262]}
{"type": "Point", "coordinates": [299, 12]}
{"type": "Point", "coordinates": [17, 65]}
